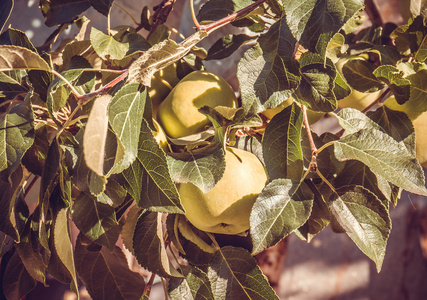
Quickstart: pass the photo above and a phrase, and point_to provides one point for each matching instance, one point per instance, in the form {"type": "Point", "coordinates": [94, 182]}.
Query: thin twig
{"type": "Point", "coordinates": [313, 162]}
{"type": "Point", "coordinates": [161, 14]}
{"type": "Point", "coordinates": [149, 285]}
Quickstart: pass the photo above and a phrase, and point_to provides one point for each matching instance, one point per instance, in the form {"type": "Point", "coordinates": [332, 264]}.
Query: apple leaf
{"type": "Point", "coordinates": [5, 11]}
{"type": "Point", "coordinates": [195, 285]}
{"type": "Point", "coordinates": [234, 274]}
{"type": "Point", "coordinates": [16, 135]}
{"type": "Point", "coordinates": [106, 46]}
{"type": "Point", "coordinates": [359, 75]}
{"type": "Point", "coordinates": [160, 56]}
{"type": "Point", "coordinates": [202, 167]}
{"type": "Point", "coordinates": [102, 6]}
{"type": "Point", "coordinates": [319, 218]}
{"type": "Point", "coordinates": [227, 45]}
{"type": "Point", "coordinates": [283, 206]}
{"type": "Point", "coordinates": [394, 79]}
{"type": "Point", "coordinates": [18, 281]}
{"type": "Point", "coordinates": [365, 219]}
{"type": "Point", "coordinates": [125, 116]}
{"type": "Point", "coordinates": [14, 57]}
{"type": "Point", "coordinates": [341, 88]}
{"type": "Point", "coordinates": [213, 10]}
{"type": "Point", "coordinates": [102, 227]}
{"type": "Point", "coordinates": [6, 243]}
{"type": "Point", "coordinates": [281, 144]}
{"type": "Point", "coordinates": [384, 156]}
{"type": "Point", "coordinates": [15, 37]}
{"type": "Point", "coordinates": [95, 135]}
{"type": "Point", "coordinates": [128, 229]}
{"type": "Point", "coordinates": [314, 23]}
{"type": "Point", "coordinates": [59, 12]}
{"type": "Point", "coordinates": [106, 273]}
{"type": "Point", "coordinates": [317, 83]}
{"type": "Point", "coordinates": [267, 73]}
{"type": "Point", "coordinates": [75, 48]}
{"type": "Point", "coordinates": [149, 246]}
{"type": "Point", "coordinates": [418, 100]}
{"type": "Point", "coordinates": [353, 120]}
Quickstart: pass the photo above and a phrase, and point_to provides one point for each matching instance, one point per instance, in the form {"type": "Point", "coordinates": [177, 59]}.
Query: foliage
{"type": "Point", "coordinates": [79, 120]}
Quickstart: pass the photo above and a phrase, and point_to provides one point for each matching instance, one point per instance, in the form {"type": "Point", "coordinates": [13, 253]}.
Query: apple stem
{"type": "Point", "coordinates": [224, 21]}
{"type": "Point", "coordinates": [313, 162]}
{"type": "Point", "coordinates": [378, 100]}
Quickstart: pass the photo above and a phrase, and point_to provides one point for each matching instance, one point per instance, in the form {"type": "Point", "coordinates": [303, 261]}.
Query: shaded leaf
{"type": "Point", "coordinates": [281, 144]}
{"type": "Point", "coordinates": [96, 220]}
{"type": "Point", "coordinates": [15, 37]}
{"type": "Point", "coordinates": [18, 281]}
{"type": "Point", "coordinates": [125, 113]}
{"type": "Point", "coordinates": [195, 285]}
{"type": "Point", "coordinates": [14, 57]}
{"type": "Point", "coordinates": [283, 206]}
{"type": "Point", "coordinates": [102, 6]}
{"type": "Point", "coordinates": [365, 219]}
{"type": "Point", "coordinates": [418, 100]}
{"type": "Point", "coordinates": [62, 11]}
{"type": "Point", "coordinates": [95, 135]}
{"type": "Point", "coordinates": [267, 73]}
{"type": "Point", "coordinates": [314, 23]}
{"type": "Point", "coordinates": [234, 274]}
{"type": "Point", "coordinates": [149, 246]}
{"type": "Point", "coordinates": [106, 46]}
{"type": "Point", "coordinates": [5, 11]}
{"type": "Point", "coordinates": [317, 83]}
{"type": "Point", "coordinates": [359, 75]}
{"type": "Point", "coordinates": [128, 229]}
{"type": "Point", "coordinates": [397, 84]}
{"type": "Point", "coordinates": [214, 10]}
{"type": "Point", "coordinates": [106, 273]}
{"type": "Point", "coordinates": [34, 158]}
{"type": "Point", "coordinates": [384, 156]}
{"type": "Point", "coordinates": [227, 45]}
{"type": "Point", "coordinates": [202, 167]}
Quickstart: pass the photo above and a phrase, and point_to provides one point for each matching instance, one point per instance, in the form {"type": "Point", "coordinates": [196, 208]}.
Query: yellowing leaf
{"type": "Point", "coordinates": [14, 57]}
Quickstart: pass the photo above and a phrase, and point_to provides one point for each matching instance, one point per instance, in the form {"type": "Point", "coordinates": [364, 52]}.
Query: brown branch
{"type": "Point", "coordinates": [313, 162]}
{"type": "Point", "coordinates": [161, 14]}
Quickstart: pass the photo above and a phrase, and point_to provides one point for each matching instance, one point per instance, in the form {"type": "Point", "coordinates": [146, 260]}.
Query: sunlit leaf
{"type": "Point", "coordinates": [281, 144]}
{"type": "Point", "coordinates": [203, 167]}
{"type": "Point", "coordinates": [106, 273]}
{"type": "Point", "coordinates": [14, 57]}
{"type": "Point", "coordinates": [397, 84]}
{"type": "Point", "coordinates": [195, 285]}
{"type": "Point", "coordinates": [384, 156]}
{"type": "Point", "coordinates": [283, 206]}
{"type": "Point", "coordinates": [106, 46]}
{"type": "Point", "coordinates": [267, 73]}
{"type": "Point", "coordinates": [234, 274]}
{"type": "Point", "coordinates": [15, 37]}
{"type": "Point", "coordinates": [365, 219]}
{"type": "Point", "coordinates": [353, 120]}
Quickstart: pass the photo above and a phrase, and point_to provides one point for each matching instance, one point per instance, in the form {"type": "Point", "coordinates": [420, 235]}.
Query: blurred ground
{"type": "Point", "coordinates": [331, 266]}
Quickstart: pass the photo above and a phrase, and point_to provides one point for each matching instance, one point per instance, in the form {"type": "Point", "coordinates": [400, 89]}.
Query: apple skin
{"type": "Point", "coordinates": [159, 89]}
{"type": "Point", "coordinates": [356, 99]}
{"type": "Point", "coordinates": [313, 116]}
{"type": "Point", "coordinates": [178, 114]}
{"type": "Point", "coordinates": [419, 121]}
{"type": "Point", "coordinates": [160, 136]}
{"type": "Point", "coordinates": [227, 207]}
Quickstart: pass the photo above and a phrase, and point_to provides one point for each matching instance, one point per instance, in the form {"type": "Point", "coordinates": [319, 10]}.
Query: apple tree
{"type": "Point", "coordinates": [80, 119]}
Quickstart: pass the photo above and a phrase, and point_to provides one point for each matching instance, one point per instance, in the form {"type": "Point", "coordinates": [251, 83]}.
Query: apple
{"type": "Point", "coordinates": [313, 116]}
{"type": "Point", "coordinates": [162, 83]}
{"type": "Point", "coordinates": [226, 208]}
{"type": "Point", "coordinates": [160, 136]}
{"type": "Point", "coordinates": [356, 99]}
{"type": "Point", "coordinates": [419, 121]}
{"type": "Point", "coordinates": [178, 114]}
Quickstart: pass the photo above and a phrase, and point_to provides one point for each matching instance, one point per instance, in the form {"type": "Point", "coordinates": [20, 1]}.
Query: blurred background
{"type": "Point", "coordinates": [330, 266]}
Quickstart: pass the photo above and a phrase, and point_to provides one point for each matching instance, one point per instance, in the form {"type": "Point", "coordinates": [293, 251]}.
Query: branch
{"type": "Point", "coordinates": [313, 162]}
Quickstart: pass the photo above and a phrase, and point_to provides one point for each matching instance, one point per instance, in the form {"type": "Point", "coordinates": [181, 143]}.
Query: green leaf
{"type": "Point", "coordinates": [59, 12]}
{"type": "Point", "coordinates": [102, 6]}
{"type": "Point", "coordinates": [283, 206]}
{"type": "Point", "coordinates": [397, 84]}
{"type": "Point", "coordinates": [385, 157]}
{"type": "Point", "coordinates": [35, 157]}
{"type": "Point", "coordinates": [95, 135]}
{"type": "Point", "coordinates": [64, 247]}
{"type": "Point", "coordinates": [16, 135]}
{"type": "Point", "coordinates": [15, 37]}
{"type": "Point", "coordinates": [418, 100]}
{"type": "Point", "coordinates": [149, 247]}
{"type": "Point", "coordinates": [14, 57]}
{"type": "Point", "coordinates": [202, 167]}
{"type": "Point", "coordinates": [365, 219]}
{"type": "Point", "coordinates": [227, 45]}
{"type": "Point", "coordinates": [314, 23]}
{"type": "Point", "coordinates": [106, 273]}
{"type": "Point", "coordinates": [214, 10]}
{"type": "Point", "coordinates": [106, 46]}
{"type": "Point", "coordinates": [125, 114]}
{"type": "Point", "coordinates": [18, 281]}
{"type": "Point", "coordinates": [6, 243]}
{"type": "Point", "coordinates": [353, 120]}
{"type": "Point", "coordinates": [160, 56]}
{"type": "Point", "coordinates": [281, 144]}
{"type": "Point", "coordinates": [195, 285]}
{"type": "Point", "coordinates": [96, 220]}
{"type": "Point", "coordinates": [359, 75]}
{"type": "Point", "coordinates": [128, 229]}
{"type": "Point", "coordinates": [234, 274]}
{"type": "Point", "coordinates": [267, 73]}
{"type": "Point", "coordinates": [5, 11]}
{"type": "Point", "coordinates": [75, 48]}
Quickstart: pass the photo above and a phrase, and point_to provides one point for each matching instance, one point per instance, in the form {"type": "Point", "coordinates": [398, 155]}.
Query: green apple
{"type": "Point", "coordinates": [226, 208]}
{"type": "Point", "coordinates": [419, 121]}
{"type": "Point", "coordinates": [313, 116]}
{"type": "Point", "coordinates": [178, 114]}
{"type": "Point", "coordinates": [356, 99]}
{"type": "Point", "coordinates": [160, 136]}
{"type": "Point", "coordinates": [162, 83]}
